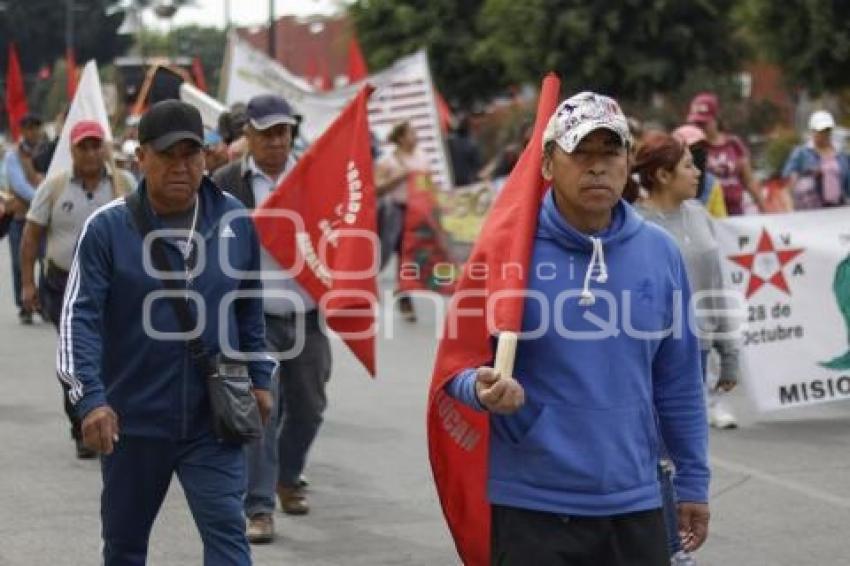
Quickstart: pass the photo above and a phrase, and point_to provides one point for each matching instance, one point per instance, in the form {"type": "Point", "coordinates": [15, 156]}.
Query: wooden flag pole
{"type": "Point", "coordinates": [505, 354]}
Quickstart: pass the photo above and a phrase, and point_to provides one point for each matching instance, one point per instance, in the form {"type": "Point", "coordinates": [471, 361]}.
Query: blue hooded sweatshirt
{"type": "Point", "coordinates": [606, 360]}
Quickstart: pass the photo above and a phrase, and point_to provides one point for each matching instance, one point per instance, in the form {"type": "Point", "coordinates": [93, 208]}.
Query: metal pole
{"type": "Point", "coordinates": [227, 16]}
{"type": "Point", "coordinates": [69, 27]}
{"type": "Point", "coordinates": [272, 43]}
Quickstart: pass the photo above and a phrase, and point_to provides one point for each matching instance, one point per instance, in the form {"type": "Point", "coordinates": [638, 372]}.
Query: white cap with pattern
{"type": "Point", "coordinates": [581, 114]}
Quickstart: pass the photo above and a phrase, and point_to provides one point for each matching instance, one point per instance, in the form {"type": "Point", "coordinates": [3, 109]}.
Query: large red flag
{"type": "Point", "coordinates": [458, 437]}
{"type": "Point", "coordinates": [332, 253]}
{"type": "Point", "coordinates": [357, 70]}
{"type": "Point", "coordinates": [16, 96]}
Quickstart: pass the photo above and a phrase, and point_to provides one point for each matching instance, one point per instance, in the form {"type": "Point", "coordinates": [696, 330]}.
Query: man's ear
{"type": "Point", "coordinates": [546, 169]}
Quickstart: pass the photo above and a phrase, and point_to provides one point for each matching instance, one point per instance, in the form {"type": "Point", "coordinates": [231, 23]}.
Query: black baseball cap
{"type": "Point", "coordinates": [267, 110]}
{"type": "Point", "coordinates": [168, 122]}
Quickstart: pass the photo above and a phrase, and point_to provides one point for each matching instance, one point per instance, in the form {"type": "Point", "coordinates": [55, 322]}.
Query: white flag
{"type": "Point", "coordinates": [404, 92]}
{"type": "Point", "coordinates": [209, 107]}
{"type": "Point", "coordinates": [88, 104]}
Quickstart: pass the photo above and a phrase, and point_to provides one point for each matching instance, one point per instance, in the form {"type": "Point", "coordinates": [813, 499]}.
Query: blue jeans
{"type": "Point", "coordinates": [16, 232]}
{"type": "Point", "coordinates": [280, 455]}
{"type": "Point", "coordinates": [136, 478]}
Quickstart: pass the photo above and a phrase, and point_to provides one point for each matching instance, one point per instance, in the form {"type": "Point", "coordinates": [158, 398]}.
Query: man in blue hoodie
{"type": "Point", "coordinates": [604, 364]}
{"type": "Point", "coordinates": [126, 360]}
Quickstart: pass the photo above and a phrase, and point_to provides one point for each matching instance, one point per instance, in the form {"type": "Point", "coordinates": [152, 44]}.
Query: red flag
{"type": "Point", "coordinates": [16, 96]}
{"type": "Point", "coordinates": [332, 253]}
{"type": "Point", "coordinates": [444, 111]}
{"type": "Point", "coordinates": [458, 437]}
{"type": "Point", "coordinates": [198, 74]}
{"type": "Point", "coordinates": [72, 73]}
{"type": "Point", "coordinates": [357, 69]}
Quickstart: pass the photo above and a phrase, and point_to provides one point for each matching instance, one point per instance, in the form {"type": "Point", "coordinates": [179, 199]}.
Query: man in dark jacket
{"type": "Point", "coordinates": [143, 403]}
{"type": "Point", "coordinates": [293, 331]}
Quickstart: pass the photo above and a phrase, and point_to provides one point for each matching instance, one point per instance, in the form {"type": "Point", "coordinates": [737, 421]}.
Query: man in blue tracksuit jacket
{"type": "Point", "coordinates": [142, 402]}
{"type": "Point", "coordinates": [574, 441]}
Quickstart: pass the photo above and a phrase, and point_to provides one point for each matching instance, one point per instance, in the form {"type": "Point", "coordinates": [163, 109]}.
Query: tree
{"type": "Point", "coordinates": [808, 39]}
{"type": "Point", "coordinates": [388, 29]}
{"type": "Point", "coordinates": [627, 48]}
{"type": "Point", "coordinates": [38, 28]}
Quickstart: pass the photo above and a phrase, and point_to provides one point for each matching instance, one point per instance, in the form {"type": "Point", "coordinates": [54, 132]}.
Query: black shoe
{"type": "Point", "coordinates": [24, 317]}
{"type": "Point", "coordinates": [84, 452]}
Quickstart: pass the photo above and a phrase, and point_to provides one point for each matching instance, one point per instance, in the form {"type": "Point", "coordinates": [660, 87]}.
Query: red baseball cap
{"type": "Point", "coordinates": [704, 107]}
{"type": "Point", "coordinates": [85, 129]}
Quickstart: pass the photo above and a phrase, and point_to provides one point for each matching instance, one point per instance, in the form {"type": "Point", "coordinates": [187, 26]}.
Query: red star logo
{"type": "Point", "coordinates": [765, 264]}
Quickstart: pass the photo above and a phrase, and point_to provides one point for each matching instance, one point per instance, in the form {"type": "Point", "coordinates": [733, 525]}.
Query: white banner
{"type": "Point", "coordinates": [88, 104]}
{"type": "Point", "coordinates": [209, 107]}
{"type": "Point", "coordinates": [794, 272]}
{"type": "Point", "coordinates": [404, 91]}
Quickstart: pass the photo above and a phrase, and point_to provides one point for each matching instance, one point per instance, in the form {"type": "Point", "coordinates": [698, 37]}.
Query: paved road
{"type": "Point", "coordinates": [778, 493]}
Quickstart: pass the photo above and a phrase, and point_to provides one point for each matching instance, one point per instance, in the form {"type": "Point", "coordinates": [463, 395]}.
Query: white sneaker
{"type": "Point", "coordinates": [683, 558]}
{"type": "Point", "coordinates": [719, 416]}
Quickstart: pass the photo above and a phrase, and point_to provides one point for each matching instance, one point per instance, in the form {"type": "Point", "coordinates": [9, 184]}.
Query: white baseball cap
{"type": "Point", "coordinates": [821, 120]}
{"type": "Point", "coordinates": [582, 114]}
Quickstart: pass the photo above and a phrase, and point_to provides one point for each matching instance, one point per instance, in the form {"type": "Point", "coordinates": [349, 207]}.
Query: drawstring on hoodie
{"type": "Point", "coordinates": [597, 258]}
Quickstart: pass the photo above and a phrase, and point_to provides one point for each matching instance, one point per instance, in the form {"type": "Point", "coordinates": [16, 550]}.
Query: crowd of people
{"type": "Point", "coordinates": [75, 241]}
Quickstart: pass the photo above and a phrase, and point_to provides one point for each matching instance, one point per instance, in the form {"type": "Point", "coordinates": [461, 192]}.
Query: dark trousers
{"type": "Point", "coordinates": [136, 477]}
{"type": "Point", "coordinates": [51, 292]}
{"type": "Point", "coordinates": [299, 403]}
{"type": "Point", "coordinates": [522, 537]}
{"type": "Point", "coordinates": [16, 232]}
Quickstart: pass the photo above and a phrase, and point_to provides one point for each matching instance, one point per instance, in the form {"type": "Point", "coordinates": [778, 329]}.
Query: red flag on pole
{"type": "Point", "coordinates": [357, 69]}
{"type": "Point", "coordinates": [198, 74]}
{"type": "Point", "coordinates": [458, 437]}
{"type": "Point", "coordinates": [320, 225]}
{"type": "Point", "coordinates": [444, 111]}
{"type": "Point", "coordinates": [72, 73]}
{"type": "Point", "coordinates": [16, 96]}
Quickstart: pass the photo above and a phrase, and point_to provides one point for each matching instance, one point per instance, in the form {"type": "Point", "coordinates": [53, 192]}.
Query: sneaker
{"type": "Point", "coordinates": [292, 500]}
{"type": "Point", "coordinates": [83, 451]}
{"type": "Point", "coordinates": [683, 558]}
{"type": "Point", "coordinates": [303, 482]}
{"type": "Point", "coordinates": [260, 529]}
{"type": "Point", "coordinates": [719, 416]}
{"type": "Point", "coordinates": [24, 317]}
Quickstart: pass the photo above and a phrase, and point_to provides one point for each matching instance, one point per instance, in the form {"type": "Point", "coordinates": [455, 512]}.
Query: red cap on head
{"type": "Point", "coordinates": [704, 107]}
{"type": "Point", "coordinates": [86, 129]}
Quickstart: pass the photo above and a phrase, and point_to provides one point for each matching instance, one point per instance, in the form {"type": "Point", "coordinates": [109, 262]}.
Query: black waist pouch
{"type": "Point", "coordinates": [235, 415]}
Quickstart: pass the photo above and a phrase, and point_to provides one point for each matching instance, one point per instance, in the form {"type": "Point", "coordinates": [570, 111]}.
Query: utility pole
{"type": "Point", "coordinates": [272, 42]}
{"type": "Point", "coordinates": [226, 16]}
{"type": "Point", "coordinates": [69, 28]}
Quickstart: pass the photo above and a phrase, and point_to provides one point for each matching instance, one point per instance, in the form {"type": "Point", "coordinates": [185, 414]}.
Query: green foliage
{"type": "Point", "coordinates": [389, 29]}
{"type": "Point", "coordinates": [777, 149]}
{"type": "Point", "coordinates": [808, 39]}
{"type": "Point", "coordinates": [38, 29]}
{"type": "Point", "coordinates": [628, 48]}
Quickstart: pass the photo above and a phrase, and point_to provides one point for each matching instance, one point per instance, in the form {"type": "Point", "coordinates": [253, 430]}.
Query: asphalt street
{"type": "Point", "coordinates": [779, 495]}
